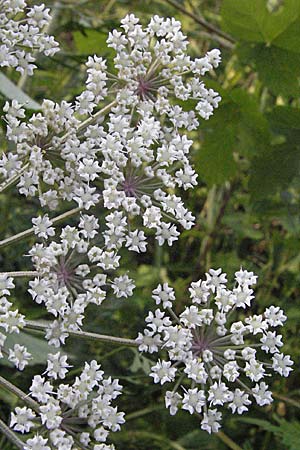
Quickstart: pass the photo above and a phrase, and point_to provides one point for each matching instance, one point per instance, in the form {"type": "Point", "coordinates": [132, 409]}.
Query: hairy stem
{"type": "Point", "coordinates": [11, 435]}
{"type": "Point", "coordinates": [6, 184]}
{"type": "Point", "coordinates": [86, 335]}
{"type": "Point", "coordinates": [90, 120]}
{"type": "Point", "coordinates": [28, 273]}
{"type": "Point", "coordinates": [22, 396]}
{"type": "Point", "coordinates": [30, 231]}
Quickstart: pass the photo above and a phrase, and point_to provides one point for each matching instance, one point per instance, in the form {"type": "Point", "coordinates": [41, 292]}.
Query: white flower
{"type": "Point", "coordinates": [275, 316]}
{"type": "Point", "coordinates": [86, 405]}
{"type": "Point", "coordinates": [239, 402]}
{"type": "Point", "coordinates": [37, 443]}
{"type": "Point", "coordinates": [21, 28]}
{"type": "Point", "coordinates": [211, 421]}
{"type": "Point", "coordinates": [215, 279]}
{"type": "Point", "coordinates": [123, 286]}
{"type": "Point", "coordinates": [19, 356]}
{"type": "Point", "coordinates": [21, 419]}
{"type": "Point", "coordinates": [6, 283]}
{"type": "Point", "coordinates": [163, 294]}
{"type": "Point", "coordinates": [193, 400]}
{"type": "Point", "coordinates": [282, 363]}
{"type": "Point", "coordinates": [42, 226]}
{"type": "Point", "coordinates": [261, 394]}
{"type": "Point", "coordinates": [57, 366]}
{"type": "Point", "coordinates": [172, 400]}
{"type": "Point", "coordinates": [163, 372]}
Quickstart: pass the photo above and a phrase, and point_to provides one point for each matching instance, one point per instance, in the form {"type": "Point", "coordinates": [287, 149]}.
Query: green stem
{"type": "Point", "coordinates": [30, 231]}
{"type": "Point", "coordinates": [87, 335]}
{"type": "Point", "coordinates": [29, 273]}
{"type": "Point", "coordinates": [219, 35]}
{"type": "Point", "coordinates": [143, 412]}
{"type": "Point", "coordinates": [6, 184]}
{"type": "Point", "coordinates": [228, 441]}
{"type": "Point", "coordinates": [286, 399]}
{"type": "Point", "coordinates": [11, 435]}
{"type": "Point", "coordinates": [15, 390]}
{"type": "Point", "coordinates": [90, 120]}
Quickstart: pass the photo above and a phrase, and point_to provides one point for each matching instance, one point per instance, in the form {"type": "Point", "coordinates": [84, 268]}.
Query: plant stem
{"type": "Point", "coordinates": [83, 125]}
{"type": "Point", "coordinates": [87, 335]}
{"type": "Point", "coordinates": [229, 442]}
{"type": "Point", "coordinates": [15, 390]}
{"type": "Point", "coordinates": [286, 399]}
{"type": "Point", "coordinates": [90, 120]}
{"type": "Point", "coordinates": [11, 435]}
{"type": "Point", "coordinates": [6, 184]}
{"type": "Point", "coordinates": [29, 273]}
{"type": "Point", "coordinates": [30, 231]}
{"type": "Point", "coordinates": [227, 41]}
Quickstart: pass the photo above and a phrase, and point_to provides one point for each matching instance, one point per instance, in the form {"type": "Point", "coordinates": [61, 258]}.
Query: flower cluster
{"type": "Point", "coordinates": [217, 361]}
{"type": "Point", "coordinates": [22, 34]}
{"type": "Point", "coordinates": [72, 274]}
{"type": "Point", "coordinates": [11, 321]}
{"type": "Point", "coordinates": [78, 415]}
{"type": "Point", "coordinates": [134, 160]}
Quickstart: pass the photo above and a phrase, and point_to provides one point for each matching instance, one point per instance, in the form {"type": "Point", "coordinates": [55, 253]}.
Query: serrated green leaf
{"type": "Point", "coordinates": [244, 19]}
{"type": "Point", "coordinates": [273, 170]}
{"type": "Point", "coordinates": [9, 90]}
{"type": "Point", "coordinates": [278, 69]}
{"type": "Point", "coordinates": [237, 127]}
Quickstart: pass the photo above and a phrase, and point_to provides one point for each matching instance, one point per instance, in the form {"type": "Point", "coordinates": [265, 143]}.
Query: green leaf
{"type": "Point", "coordinates": [38, 347]}
{"type": "Point", "coordinates": [215, 162]}
{"type": "Point", "coordinates": [237, 127]}
{"type": "Point", "coordinates": [91, 41]}
{"type": "Point", "coordinates": [285, 120]}
{"type": "Point", "coordinates": [273, 170]}
{"type": "Point", "coordinates": [251, 21]}
{"type": "Point", "coordinates": [288, 432]}
{"type": "Point", "coordinates": [278, 69]}
{"type": "Point", "coordinates": [13, 92]}
{"type": "Point", "coordinates": [244, 19]}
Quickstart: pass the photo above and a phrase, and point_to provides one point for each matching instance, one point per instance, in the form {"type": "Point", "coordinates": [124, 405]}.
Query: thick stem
{"type": "Point", "coordinates": [16, 391]}
{"type": "Point", "coordinates": [11, 435]}
{"type": "Point", "coordinates": [30, 231]}
{"type": "Point", "coordinates": [87, 335]}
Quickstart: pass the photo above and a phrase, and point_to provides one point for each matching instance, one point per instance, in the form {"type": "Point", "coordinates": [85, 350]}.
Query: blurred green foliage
{"type": "Point", "coordinates": [247, 204]}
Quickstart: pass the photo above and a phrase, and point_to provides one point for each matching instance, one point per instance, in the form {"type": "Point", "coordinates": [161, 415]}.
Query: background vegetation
{"type": "Point", "coordinates": [247, 205]}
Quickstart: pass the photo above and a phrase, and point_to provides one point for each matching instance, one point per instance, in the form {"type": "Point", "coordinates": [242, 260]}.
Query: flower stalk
{"type": "Point", "coordinates": [30, 231]}
{"type": "Point", "coordinates": [19, 393]}
{"type": "Point", "coordinates": [11, 435]}
{"type": "Point", "coordinates": [86, 335]}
